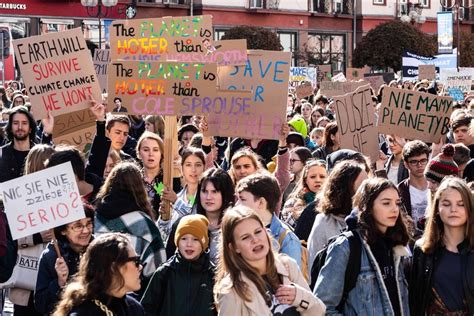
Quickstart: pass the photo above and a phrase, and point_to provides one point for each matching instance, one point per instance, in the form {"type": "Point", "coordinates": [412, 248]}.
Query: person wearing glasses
{"type": "Point", "coordinates": [109, 269]}
{"type": "Point", "coordinates": [55, 271]}
{"type": "Point", "coordinates": [414, 189]}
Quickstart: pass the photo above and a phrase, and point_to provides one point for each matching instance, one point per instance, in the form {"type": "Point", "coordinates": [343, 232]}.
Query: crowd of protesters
{"type": "Point", "coordinates": [248, 219]}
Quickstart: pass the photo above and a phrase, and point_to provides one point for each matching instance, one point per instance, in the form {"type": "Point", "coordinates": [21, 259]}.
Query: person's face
{"type": "Point", "coordinates": [251, 241]}
{"type": "Point", "coordinates": [336, 139]}
{"type": "Point", "coordinates": [211, 199]}
{"type": "Point", "coordinates": [117, 102]}
{"type": "Point", "coordinates": [193, 167]}
{"type": "Point", "coordinates": [20, 126]}
{"type": "Point", "coordinates": [5, 117]}
{"type": "Point", "coordinates": [189, 247]}
{"type": "Point", "coordinates": [462, 135]}
{"type": "Point", "coordinates": [150, 154]}
{"type": "Point", "coordinates": [243, 167]}
{"type": "Point", "coordinates": [9, 93]}
{"type": "Point", "coordinates": [109, 165]}
{"type": "Point", "coordinates": [416, 165]}
{"type": "Point", "coordinates": [315, 178]}
{"type": "Point", "coordinates": [323, 123]}
{"type": "Point", "coordinates": [290, 102]}
{"type": "Point", "coordinates": [149, 127]}
{"type": "Point", "coordinates": [386, 209]}
{"type": "Point", "coordinates": [246, 198]}
{"type": "Point", "coordinates": [131, 272]}
{"type": "Point", "coordinates": [360, 178]}
{"type": "Point", "coordinates": [452, 210]}
{"type": "Point", "coordinates": [394, 146]}
{"type": "Point", "coordinates": [317, 139]}
{"type": "Point", "coordinates": [306, 111]}
{"type": "Point", "coordinates": [315, 116]}
{"type": "Point", "coordinates": [432, 185]}
{"type": "Point", "coordinates": [118, 135]}
{"type": "Point", "coordinates": [186, 138]}
{"type": "Point", "coordinates": [296, 165]}
{"type": "Point", "coordinates": [79, 233]}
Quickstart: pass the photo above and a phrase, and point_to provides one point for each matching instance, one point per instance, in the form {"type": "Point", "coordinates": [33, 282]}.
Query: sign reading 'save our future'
{"type": "Point", "coordinates": [58, 72]}
{"type": "Point", "coordinates": [414, 115]}
{"type": "Point", "coordinates": [42, 200]}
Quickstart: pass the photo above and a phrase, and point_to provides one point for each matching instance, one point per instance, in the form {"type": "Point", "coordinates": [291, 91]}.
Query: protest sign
{"type": "Point", "coordinates": [300, 75]}
{"type": "Point", "coordinates": [58, 72]}
{"type": "Point", "coordinates": [81, 139]}
{"type": "Point", "coordinates": [387, 76]}
{"type": "Point", "coordinates": [375, 82]}
{"type": "Point", "coordinates": [461, 80]}
{"type": "Point", "coordinates": [411, 62]}
{"type": "Point", "coordinates": [331, 89]}
{"type": "Point", "coordinates": [426, 72]}
{"type": "Point", "coordinates": [356, 121]}
{"type": "Point", "coordinates": [101, 60]}
{"type": "Point", "coordinates": [266, 74]}
{"type": "Point", "coordinates": [414, 115]}
{"type": "Point", "coordinates": [42, 200]}
{"type": "Point", "coordinates": [304, 90]}
{"type": "Point", "coordinates": [339, 78]}
{"type": "Point", "coordinates": [324, 73]}
{"type": "Point", "coordinates": [356, 73]}
{"type": "Point", "coordinates": [456, 94]}
{"type": "Point", "coordinates": [71, 122]}
{"type": "Point", "coordinates": [159, 39]}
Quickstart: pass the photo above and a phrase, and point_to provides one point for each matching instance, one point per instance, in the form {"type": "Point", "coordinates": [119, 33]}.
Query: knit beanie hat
{"type": "Point", "coordinates": [299, 124]}
{"type": "Point", "coordinates": [442, 165]}
{"type": "Point", "coordinates": [295, 138]}
{"type": "Point", "coordinates": [196, 225]}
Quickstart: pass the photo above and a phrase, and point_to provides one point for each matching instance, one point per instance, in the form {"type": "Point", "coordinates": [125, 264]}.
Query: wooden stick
{"type": "Point", "coordinates": [171, 151]}
{"type": "Point", "coordinates": [54, 241]}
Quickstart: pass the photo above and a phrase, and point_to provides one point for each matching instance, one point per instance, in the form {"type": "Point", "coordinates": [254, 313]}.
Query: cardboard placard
{"type": "Point", "coordinates": [426, 72]}
{"type": "Point", "coordinates": [81, 139]}
{"type": "Point", "coordinates": [300, 75]}
{"type": "Point", "coordinates": [356, 73]}
{"type": "Point", "coordinates": [304, 90]}
{"type": "Point", "coordinates": [58, 72]}
{"type": "Point", "coordinates": [158, 39]}
{"type": "Point", "coordinates": [414, 115]}
{"type": "Point", "coordinates": [356, 121]}
{"type": "Point", "coordinates": [266, 74]}
{"type": "Point", "coordinates": [339, 78]}
{"type": "Point", "coordinates": [331, 89]}
{"type": "Point", "coordinates": [375, 82]}
{"type": "Point", "coordinates": [101, 61]}
{"type": "Point", "coordinates": [324, 73]}
{"type": "Point", "coordinates": [387, 76]}
{"type": "Point", "coordinates": [42, 200]}
{"type": "Point", "coordinates": [225, 53]}
{"type": "Point", "coordinates": [461, 80]}
{"type": "Point", "coordinates": [71, 122]}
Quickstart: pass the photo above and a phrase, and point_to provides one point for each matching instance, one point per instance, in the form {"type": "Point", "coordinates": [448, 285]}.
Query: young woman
{"type": "Point", "coordinates": [331, 142]}
{"type": "Point", "coordinates": [442, 281]}
{"type": "Point", "coordinates": [155, 124]}
{"type": "Point", "coordinates": [381, 287]}
{"type": "Point", "coordinates": [244, 162]}
{"type": "Point", "coordinates": [254, 280]}
{"type": "Point", "coordinates": [54, 271]}
{"type": "Point", "coordinates": [313, 177]}
{"type": "Point", "coordinates": [316, 114]}
{"type": "Point", "coordinates": [184, 203]}
{"type": "Point", "coordinates": [298, 158]}
{"type": "Point", "coordinates": [306, 110]}
{"type": "Point", "coordinates": [109, 269]}
{"type": "Point", "coordinates": [123, 206]}
{"type": "Point", "coordinates": [334, 204]}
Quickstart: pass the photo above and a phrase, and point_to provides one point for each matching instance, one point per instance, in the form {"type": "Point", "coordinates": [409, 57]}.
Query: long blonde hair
{"type": "Point", "coordinates": [231, 263]}
{"type": "Point", "coordinates": [37, 158]}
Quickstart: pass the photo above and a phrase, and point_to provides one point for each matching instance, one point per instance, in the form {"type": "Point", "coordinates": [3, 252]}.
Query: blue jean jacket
{"type": "Point", "coordinates": [290, 245]}
{"type": "Point", "coordinates": [369, 296]}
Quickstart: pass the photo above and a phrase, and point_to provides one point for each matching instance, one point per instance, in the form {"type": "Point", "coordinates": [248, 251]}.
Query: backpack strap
{"type": "Point", "coordinates": [282, 236]}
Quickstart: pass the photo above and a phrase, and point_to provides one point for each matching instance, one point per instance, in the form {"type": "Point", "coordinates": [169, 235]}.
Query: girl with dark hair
{"type": "Point", "coordinates": [443, 259]}
{"type": "Point", "coordinates": [123, 206]}
{"type": "Point", "coordinates": [334, 204]}
{"type": "Point", "coordinates": [4, 98]}
{"type": "Point", "coordinates": [252, 279]}
{"type": "Point", "coordinates": [298, 158]}
{"type": "Point", "coordinates": [331, 141]}
{"type": "Point", "coordinates": [381, 287]}
{"type": "Point", "coordinates": [54, 272]}
{"type": "Point", "coordinates": [316, 114]}
{"type": "Point", "coordinates": [109, 269]}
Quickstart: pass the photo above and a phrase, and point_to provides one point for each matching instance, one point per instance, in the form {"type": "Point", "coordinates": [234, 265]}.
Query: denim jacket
{"type": "Point", "coordinates": [290, 245]}
{"type": "Point", "coordinates": [369, 296]}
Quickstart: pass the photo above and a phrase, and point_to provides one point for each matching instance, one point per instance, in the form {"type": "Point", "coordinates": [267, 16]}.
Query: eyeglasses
{"type": "Point", "coordinates": [136, 260]}
{"type": "Point", "coordinates": [421, 162]}
{"type": "Point", "coordinates": [78, 227]}
{"type": "Point", "coordinates": [292, 161]}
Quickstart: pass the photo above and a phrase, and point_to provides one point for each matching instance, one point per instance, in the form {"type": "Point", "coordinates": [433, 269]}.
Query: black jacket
{"type": "Point", "coordinates": [181, 287]}
{"type": "Point", "coordinates": [125, 306]}
{"type": "Point", "coordinates": [421, 280]}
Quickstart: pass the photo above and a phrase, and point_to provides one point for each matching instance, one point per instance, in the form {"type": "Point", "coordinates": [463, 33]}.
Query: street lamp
{"type": "Point", "coordinates": [456, 5]}
{"type": "Point", "coordinates": [102, 11]}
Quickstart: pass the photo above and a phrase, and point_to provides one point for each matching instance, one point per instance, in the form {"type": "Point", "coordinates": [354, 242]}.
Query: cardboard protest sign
{"type": "Point", "coordinates": [58, 72]}
{"type": "Point", "coordinates": [266, 74]}
{"type": "Point", "coordinates": [330, 88]}
{"type": "Point", "coordinates": [101, 60]}
{"type": "Point", "coordinates": [387, 76]}
{"type": "Point", "coordinates": [42, 200]}
{"type": "Point", "coordinates": [426, 72]}
{"type": "Point", "coordinates": [225, 52]}
{"type": "Point", "coordinates": [81, 139]}
{"type": "Point", "coordinates": [356, 121]}
{"type": "Point", "coordinates": [300, 75]}
{"type": "Point", "coordinates": [159, 39]}
{"type": "Point", "coordinates": [375, 82]}
{"type": "Point", "coordinates": [461, 80]}
{"type": "Point", "coordinates": [304, 90]}
{"type": "Point", "coordinates": [71, 122]}
{"type": "Point", "coordinates": [414, 115]}
{"type": "Point", "coordinates": [356, 73]}
{"type": "Point", "coordinates": [324, 73]}
{"type": "Point", "coordinates": [339, 78]}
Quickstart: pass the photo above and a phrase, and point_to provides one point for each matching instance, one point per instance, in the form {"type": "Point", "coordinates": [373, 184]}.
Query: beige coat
{"type": "Point", "coordinates": [229, 302]}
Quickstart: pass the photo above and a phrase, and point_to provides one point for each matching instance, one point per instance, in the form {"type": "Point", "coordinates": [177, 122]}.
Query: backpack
{"type": "Point", "coordinates": [353, 267]}
{"type": "Point", "coordinates": [304, 253]}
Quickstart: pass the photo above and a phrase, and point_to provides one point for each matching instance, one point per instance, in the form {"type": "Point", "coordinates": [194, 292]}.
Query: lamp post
{"type": "Point", "coordinates": [103, 7]}
{"type": "Point", "coordinates": [456, 5]}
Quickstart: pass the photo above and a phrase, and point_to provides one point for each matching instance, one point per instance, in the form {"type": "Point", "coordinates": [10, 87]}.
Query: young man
{"type": "Point", "coordinates": [261, 193]}
{"type": "Point", "coordinates": [414, 189]}
{"type": "Point", "coordinates": [118, 105]}
{"type": "Point", "coordinates": [460, 127]}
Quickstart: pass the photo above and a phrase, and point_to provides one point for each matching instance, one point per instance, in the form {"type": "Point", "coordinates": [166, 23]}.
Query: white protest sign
{"type": "Point", "coordinates": [42, 200]}
{"type": "Point", "coordinates": [461, 80]}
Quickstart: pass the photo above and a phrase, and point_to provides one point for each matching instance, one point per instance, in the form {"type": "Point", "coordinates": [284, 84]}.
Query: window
{"type": "Point", "coordinates": [425, 3]}
{"type": "Point", "coordinates": [218, 33]}
{"type": "Point", "coordinates": [378, 2]}
{"type": "Point", "coordinates": [288, 41]}
{"type": "Point", "coordinates": [319, 6]}
{"type": "Point", "coordinates": [256, 4]}
{"type": "Point", "coordinates": [327, 49]}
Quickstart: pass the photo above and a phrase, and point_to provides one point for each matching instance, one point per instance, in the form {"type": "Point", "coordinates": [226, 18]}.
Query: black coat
{"type": "Point", "coordinates": [126, 306]}
{"type": "Point", "coordinates": [421, 280]}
